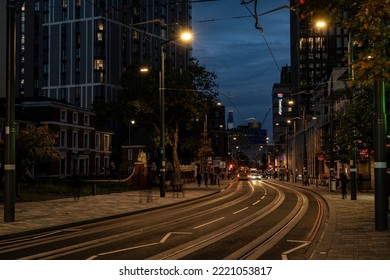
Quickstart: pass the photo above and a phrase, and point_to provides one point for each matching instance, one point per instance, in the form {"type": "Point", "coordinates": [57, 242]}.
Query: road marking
{"type": "Point", "coordinates": [170, 233]}
{"type": "Point", "coordinates": [256, 202]}
{"type": "Point", "coordinates": [165, 238]}
{"type": "Point", "coordinates": [304, 244]}
{"type": "Point", "coordinates": [243, 209]}
{"type": "Point", "coordinates": [209, 223]}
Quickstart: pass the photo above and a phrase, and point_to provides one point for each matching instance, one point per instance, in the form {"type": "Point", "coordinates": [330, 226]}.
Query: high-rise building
{"type": "Point", "coordinates": [315, 51]}
{"type": "Point", "coordinates": [76, 51]}
{"type": "Point", "coordinates": [3, 35]}
{"type": "Point", "coordinates": [230, 120]}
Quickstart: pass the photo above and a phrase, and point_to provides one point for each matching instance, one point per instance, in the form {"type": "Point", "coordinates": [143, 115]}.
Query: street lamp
{"type": "Point", "coordinates": [294, 146]}
{"type": "Point", "coordinates": [131, 122]}
{"type": "Point", "coordinates": [9, 156]}
{"type": "Point", "coordinates": [185, 36]}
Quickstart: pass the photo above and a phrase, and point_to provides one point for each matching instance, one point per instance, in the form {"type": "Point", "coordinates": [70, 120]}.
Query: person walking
{"type": "Point", "coordinates": [206, 178]}
{"type": "Point", "coordinates": [198, 178]}
{"type": "Point", "coordinates": [343, 181]}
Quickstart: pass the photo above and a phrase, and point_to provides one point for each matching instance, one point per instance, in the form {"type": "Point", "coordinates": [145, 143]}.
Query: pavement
{"type": "Point", "coordinates": [350, 231]}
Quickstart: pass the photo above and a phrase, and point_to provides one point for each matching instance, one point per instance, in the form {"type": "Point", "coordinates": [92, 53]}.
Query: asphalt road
{"type": "Point", "coordinates": [247, 220]}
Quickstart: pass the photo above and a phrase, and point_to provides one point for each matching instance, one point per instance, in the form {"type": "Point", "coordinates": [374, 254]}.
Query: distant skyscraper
{"type": "Point", "coordinates": [230, 124]}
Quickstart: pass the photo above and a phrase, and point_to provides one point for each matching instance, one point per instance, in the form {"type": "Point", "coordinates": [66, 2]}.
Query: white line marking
{"type": "Point", "coordinates": [165, 238]}
{"type": "Point", "coordinates": [170, 233]}
{"type": "Point", "coordinates": [243, 209]}
{"type": "Point", "coordinates": [122, 250]}
{"type": "Point", "coordinates": [209, 223]}
{"type": "Point", "coordinates": [256, 202]}
{"type": "Point", "coordinates": [304, 244]}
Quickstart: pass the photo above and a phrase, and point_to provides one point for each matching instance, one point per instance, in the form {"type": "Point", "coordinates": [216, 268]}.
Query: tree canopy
{"type": "Point", "coordinates": [189, 93]}
{"type": "Point", "coordinates": [353, 127]}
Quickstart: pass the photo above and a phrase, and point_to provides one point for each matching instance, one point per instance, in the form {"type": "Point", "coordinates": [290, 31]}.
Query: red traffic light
{"type": "Point", "coordinates": [302, 1]}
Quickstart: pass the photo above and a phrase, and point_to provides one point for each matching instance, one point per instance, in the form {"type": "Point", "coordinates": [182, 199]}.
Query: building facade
{"type": "Point", "coordinates": [315, 53]}
{"type": "Point", "coordinates": [76, 51]}
{"type": "Point", "coordinates": [83, 150]}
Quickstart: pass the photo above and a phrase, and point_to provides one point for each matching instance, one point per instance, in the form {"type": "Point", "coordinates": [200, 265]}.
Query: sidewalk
{"type": "Point", "coordinates": [38, 215]}
{"type": "Point", "coordinates": [350, 232]}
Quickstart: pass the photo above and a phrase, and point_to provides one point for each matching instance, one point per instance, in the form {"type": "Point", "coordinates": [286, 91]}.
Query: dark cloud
{"type": "Point", "coordinates": [236, 51]}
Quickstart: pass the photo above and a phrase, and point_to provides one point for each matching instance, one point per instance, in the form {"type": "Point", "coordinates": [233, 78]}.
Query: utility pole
{"type": "Point", "coordinates": [9, 157]}
{"type": "Point", "coordinates": [380, 162]}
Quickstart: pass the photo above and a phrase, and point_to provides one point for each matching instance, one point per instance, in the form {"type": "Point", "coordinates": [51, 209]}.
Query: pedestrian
{"type": "Point", "coordinates": [206, 178]}
{"type": "Point", "coordinates": [343, 181]}
{"type": "Point", "coordinates": [199, 179]}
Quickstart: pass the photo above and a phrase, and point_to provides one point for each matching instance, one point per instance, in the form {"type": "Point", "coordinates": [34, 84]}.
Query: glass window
{"type": "Point", "coordinates": [86, 140]}
{"type": "Point", "coordinates": [99, 64]}
{"type": "Point", "coordinates": [63, 138]}
{"type": "Point", "coordinates": [86, 119]}
{"type": "Point", "coordinates": [63, 116]}
{"type": "Point", "coordinates": [75, 139]}
{"type": "Point", "coordinates": [97, 142]}
{"type": "Point", "coordinates": [75, 117]}
{"type": "Point", "coordinates": [106, 142]}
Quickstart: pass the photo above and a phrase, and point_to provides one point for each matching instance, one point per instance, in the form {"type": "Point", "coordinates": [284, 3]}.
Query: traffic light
{"type": "Point", "coordinates": [302, 1]}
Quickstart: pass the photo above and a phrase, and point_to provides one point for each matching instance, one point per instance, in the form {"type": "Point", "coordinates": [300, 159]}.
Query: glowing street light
{"type": "Point", "coordinates": [320, 24]}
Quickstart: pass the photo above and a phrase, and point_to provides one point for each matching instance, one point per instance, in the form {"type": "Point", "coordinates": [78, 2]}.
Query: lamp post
{"type": "Point", "coordinates": [9, 157]}
{"type": "Point", "coordinates": [185, 37]}
{"type": "Point", "coordinates": [294, 146]}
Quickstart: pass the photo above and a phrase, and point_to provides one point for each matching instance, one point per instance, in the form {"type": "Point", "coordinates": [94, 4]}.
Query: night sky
{"type": "Point", "coordinates": [227, 42]}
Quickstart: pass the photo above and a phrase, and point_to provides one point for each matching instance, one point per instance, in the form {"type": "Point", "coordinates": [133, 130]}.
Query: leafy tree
{"type": "Point", "coordinates": [35, 146]}
{"type": "Point", "coordinates": [368, 21]}
{"type": "Point", "coordinates": [32, 147]}
{"type": "Point", "coordinates": [188, 95]}
{"type": "Point", "coordinates": [352, 127]}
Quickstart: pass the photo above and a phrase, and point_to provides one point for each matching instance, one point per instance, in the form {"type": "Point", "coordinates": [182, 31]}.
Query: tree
{"type": "Point", "coordinates": [352, 127]}
{"type": "Point", "coordinates": [35, 146]}
{"type": "Point", "coordinates": [368, 22]}
{"type": "Point", "coordinates": [188, 95]}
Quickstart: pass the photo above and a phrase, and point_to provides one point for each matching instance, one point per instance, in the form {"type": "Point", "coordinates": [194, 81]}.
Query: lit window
{"type": "Point", "coordinates": [99, 64]}
{"type": "Point", "coordinates": [100, 25]}
{"type": "Point", "coordinates": [100, 36]}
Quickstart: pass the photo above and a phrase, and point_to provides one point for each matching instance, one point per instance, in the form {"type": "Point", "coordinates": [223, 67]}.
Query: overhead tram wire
{"type": "Point", "coordinates": [258, 27]}
{"type": "Point", "coordinates": [243, 17]}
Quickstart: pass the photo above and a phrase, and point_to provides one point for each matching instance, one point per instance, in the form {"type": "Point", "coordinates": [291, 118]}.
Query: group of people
{"type": "Point", "coordinates": [206, 178]}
